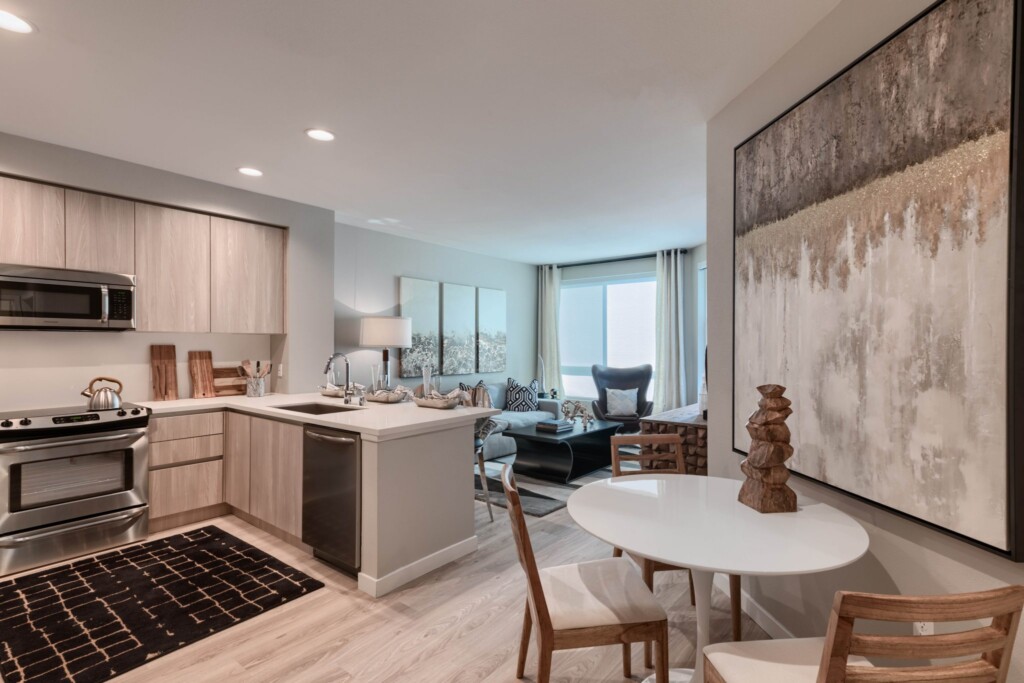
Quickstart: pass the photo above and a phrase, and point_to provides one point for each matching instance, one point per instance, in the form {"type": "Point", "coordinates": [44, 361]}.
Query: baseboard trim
{"type": "Point", "coordinates": [376, 587]}
{"type": "Point", "coordinates": [762, 617]}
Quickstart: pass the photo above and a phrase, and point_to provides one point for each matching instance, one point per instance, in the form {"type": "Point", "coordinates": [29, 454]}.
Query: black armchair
{"type": "Point", "coordinates": [638, 378]}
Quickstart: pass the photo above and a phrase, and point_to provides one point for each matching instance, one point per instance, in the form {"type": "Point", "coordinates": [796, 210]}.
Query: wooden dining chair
{"type": "Point", "coordinates": [601, 602]}
{"type": "Point", "coordinates": [983, 654]}
{"type": "Point", "coordinates": [663, 453]}
{"type": "Point", "coordinates": [489, 426]}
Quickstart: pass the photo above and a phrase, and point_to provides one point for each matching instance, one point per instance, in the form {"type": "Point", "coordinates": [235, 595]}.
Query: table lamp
{"type": "Point", "coordinates": [385, 332]}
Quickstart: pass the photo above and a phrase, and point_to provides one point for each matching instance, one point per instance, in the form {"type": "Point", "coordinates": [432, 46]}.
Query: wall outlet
{"type": "Point", "coordinates": [924, 628]}
{"type": "Point", "coordinates": [280, 369]}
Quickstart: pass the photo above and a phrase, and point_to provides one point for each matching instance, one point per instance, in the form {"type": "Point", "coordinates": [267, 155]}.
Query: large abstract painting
{"type": "Point", "coordinates": [458, 324]}
{"type": "Point", "coordinates": [871, 267]}
{"type": "Point", "coordinates": [421, 301]}
{"type": "Point", "coordinates": [491, 330]}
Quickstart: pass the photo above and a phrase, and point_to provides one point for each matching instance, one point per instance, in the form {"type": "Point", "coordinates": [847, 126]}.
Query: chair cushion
{"type": "Point", "coordinates": [598, 593]}
{"type": "Point", "coordinates": [516, 420]}
{"type": "Point", "coordinates": [620, 402]}
{"type": "Point", "coordinates": [791, 660]}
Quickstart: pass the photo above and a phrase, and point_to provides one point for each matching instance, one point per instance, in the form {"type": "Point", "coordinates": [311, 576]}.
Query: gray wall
{"type": "Point", "coordinates": [904, 557]}
{"type": "Point", "coordinates": [45, 369]}
{"type": "Point", "coordinates": [367, 267]}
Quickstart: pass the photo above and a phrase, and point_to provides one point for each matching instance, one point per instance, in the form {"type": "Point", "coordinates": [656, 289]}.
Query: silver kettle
{"type": "Point", "coordinates": [104, 398]}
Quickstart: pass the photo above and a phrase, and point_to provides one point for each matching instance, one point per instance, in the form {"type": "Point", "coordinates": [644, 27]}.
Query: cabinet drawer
{"type": "Point", "coordinates": [180, 451]}
{"type": "Point", "coordinates": [188, 487]}
{"type": "Point", "coordinates": [186, 426]}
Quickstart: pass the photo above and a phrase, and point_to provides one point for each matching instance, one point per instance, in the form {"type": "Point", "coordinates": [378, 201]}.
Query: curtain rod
{"type": "Point", "coordinates": [613, 260]}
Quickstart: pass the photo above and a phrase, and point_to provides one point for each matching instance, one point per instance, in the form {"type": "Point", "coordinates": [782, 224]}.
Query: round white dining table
{"type": "Point", "coordinates": [698, 522]}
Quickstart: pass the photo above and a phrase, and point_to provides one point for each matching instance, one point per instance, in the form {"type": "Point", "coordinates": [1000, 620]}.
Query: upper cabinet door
{"type": "Point", "coordinates": [100, 233]}
{"type": "Point", "coordinates": [172, 266]}
{"type": "Point", "coordinates": [31, 223]}
{"type": "Point", "coordinates": [248, 277]}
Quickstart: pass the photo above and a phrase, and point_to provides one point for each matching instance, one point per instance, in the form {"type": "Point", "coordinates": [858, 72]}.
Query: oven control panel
{"type": "Point", "coordinates": [39, 424]}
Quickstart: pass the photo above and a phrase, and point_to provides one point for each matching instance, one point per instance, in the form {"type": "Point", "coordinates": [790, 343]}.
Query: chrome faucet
{"type": "Point", "coordinates": [329, 373]}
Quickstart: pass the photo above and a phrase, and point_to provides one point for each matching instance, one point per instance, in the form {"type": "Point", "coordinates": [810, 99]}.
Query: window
{"type": "Point", "coordinates": [604, 321]}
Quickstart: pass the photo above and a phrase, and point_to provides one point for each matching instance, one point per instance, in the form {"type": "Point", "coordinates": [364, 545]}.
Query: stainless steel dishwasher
{"type": "Point", "coordinates": [332, 495]}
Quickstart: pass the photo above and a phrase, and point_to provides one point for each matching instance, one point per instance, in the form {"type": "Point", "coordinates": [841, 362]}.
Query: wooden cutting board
{"type": "Point", "coordinates": [227, 382]}
{"type": "Point", "coordinates": [200, 369]}
{"type": "Point", "coordinates": [163, 364]}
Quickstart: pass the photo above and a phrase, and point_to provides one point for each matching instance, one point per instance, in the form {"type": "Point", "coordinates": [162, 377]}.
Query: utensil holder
{"type": "Point", "coordinates": [255, 386]}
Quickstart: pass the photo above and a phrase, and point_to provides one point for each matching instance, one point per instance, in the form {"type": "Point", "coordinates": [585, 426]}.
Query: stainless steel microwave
{"type": "Point", "coordinates": [43, 298]}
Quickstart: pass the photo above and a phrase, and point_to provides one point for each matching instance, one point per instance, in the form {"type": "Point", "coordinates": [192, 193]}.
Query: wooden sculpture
{"type": "Point", "coordinates": [765, 489]}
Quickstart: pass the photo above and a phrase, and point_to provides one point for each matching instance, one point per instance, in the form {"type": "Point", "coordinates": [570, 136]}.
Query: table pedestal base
{"type": "Point", "coordinates": [674, 676]}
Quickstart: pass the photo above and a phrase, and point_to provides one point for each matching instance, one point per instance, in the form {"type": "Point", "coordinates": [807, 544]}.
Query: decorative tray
{"type": "Point", "coordinates": [383, 396]}
{"type": "Point", "coordinates": [442, 403]}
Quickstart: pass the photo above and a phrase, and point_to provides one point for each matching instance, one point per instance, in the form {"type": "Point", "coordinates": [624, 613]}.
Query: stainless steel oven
{"type": "Point", "coordinates": [34, 298]}
{"type": "Point", "coordinates": [71, 483]}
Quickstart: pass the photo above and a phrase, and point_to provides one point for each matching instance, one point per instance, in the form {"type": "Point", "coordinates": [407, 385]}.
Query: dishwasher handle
{"type": "Point", "coordinates": [317, 436]}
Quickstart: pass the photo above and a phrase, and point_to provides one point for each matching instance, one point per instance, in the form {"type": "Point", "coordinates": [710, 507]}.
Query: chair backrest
{"type": "Point", "coordinates": [638, 378]}
{"type": "Point", "coordinates": [661, 452]}
{"type": "Point", "coordinates": [534, 591]}
{"type": "Point", "coordinates": [990, 646]}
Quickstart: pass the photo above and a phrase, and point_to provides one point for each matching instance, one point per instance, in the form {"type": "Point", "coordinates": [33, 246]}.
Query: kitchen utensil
{"type": "Point", "coordinates": [164, 371]}
{"type": "Point", "coordinates": [200, 369]}
{"type": "Point", "coordinates": [103, 398]}
{"type": "Point", "coordinates": [247, 366]}
{"type": "Point", "coordinates": [228, 381]}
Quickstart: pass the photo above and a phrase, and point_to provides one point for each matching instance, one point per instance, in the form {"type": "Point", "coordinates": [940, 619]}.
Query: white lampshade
{"type": "Point", "coordinates": [384, 332]}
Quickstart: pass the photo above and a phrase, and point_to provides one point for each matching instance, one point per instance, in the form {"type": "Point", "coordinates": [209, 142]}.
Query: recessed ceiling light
{"type": "Point", "coordinates": [14, 23]}
{"type": "Point", "coordinates": [254, 172]}
{"type": "Point", "coordinates": [320, 134]}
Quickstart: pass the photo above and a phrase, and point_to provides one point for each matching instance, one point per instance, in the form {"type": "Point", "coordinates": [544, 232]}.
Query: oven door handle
{"type": "Point", "coordinates": [76, 442]}
{"type": "Point", "coordinates": [15, 541]}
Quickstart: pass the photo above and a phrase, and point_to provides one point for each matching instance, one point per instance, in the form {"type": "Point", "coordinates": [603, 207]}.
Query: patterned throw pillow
{"type": "Point", "coordinates": [479, 397]}
{"type": "Point", "coordinates": [521, 398]}
{"type": "Point", "coordinates": [621, 402]}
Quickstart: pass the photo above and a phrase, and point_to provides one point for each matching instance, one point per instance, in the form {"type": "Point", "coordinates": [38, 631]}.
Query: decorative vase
{"type": "Point", "coordinates": [765, 489]}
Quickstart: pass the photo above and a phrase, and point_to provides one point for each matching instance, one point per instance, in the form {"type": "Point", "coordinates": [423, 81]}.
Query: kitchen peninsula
{"type": "Point", "coordinates": [416, 482]}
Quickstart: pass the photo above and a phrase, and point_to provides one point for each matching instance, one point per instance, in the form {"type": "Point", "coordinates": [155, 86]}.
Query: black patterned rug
{"type": "Point", "coordinates": [99, 617]}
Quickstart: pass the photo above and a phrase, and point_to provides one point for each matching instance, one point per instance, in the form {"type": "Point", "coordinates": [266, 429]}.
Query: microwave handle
{"type": "Point", "coordinates": [104, 304]}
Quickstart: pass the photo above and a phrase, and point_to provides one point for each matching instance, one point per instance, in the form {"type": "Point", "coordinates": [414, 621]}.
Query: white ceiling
{"type": "Point", "coordinates": [536, 130]}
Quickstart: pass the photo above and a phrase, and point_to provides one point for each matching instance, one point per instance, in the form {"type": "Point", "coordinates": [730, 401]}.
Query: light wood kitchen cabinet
{"type": "Point", "coordinates": [236, 460]}
{"type": "Point", "coordinates": [100, 233]}
{"type": "Point", "coordinates": [31, 223]}
{"type": "Point", "coordinates": [172, 266]}
{"type": "Point", "coordinates": [188, 487]}
{"type": "Point", "coordinates": [247, 273]}
{"type": "Point", "coordinates": [186, 426]}
{"type": "Point", "coordinates": [275, 491]}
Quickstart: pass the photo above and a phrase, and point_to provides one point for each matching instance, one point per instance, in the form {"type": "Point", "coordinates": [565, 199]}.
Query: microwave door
{"type": "Point", "coordinates": [27, 302]}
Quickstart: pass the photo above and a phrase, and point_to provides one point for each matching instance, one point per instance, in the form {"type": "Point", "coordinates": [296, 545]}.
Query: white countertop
{"type": "Point", "coordinates": [378, 421]}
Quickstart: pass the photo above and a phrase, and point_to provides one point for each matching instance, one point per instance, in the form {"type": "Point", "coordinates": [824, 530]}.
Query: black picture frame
{"type": "Point", "coordinates": [1015, 313]}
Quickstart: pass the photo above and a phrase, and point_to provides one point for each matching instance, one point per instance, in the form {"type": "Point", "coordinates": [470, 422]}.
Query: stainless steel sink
{"type": "Point", "coordinates": [317, 408]}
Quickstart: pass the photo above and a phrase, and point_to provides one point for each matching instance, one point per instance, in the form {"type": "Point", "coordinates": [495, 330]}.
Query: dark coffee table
{"type": "Point", "coordinates": [566, 455]}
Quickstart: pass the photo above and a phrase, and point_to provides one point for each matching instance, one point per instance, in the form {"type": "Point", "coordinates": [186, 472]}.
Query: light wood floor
{"type": "Point", "coordinates": [459, 623]}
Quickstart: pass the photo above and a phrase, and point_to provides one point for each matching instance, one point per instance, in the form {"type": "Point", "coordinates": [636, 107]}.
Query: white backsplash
{"type": "Point", "coordinates": [48, 369]}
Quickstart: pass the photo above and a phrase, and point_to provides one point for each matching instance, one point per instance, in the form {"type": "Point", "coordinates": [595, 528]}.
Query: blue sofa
{"type": "Point", "coordinates": [497, 445]}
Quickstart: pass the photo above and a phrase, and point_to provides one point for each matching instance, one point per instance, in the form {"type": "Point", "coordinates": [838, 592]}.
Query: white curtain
{"type": "Point", "coordinates": [549, 364]}
{"type": "Point", "coordinates": [669, 366]}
